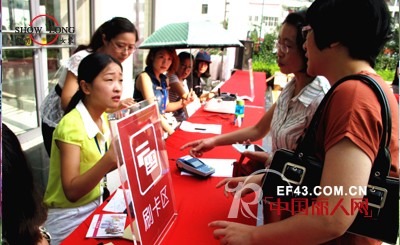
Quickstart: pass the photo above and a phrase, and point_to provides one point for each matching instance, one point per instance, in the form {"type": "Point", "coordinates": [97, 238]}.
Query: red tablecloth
{"type": "Point", "coordinates": [239, 83]}
{"type": "Point", "coordinates": [198, 202]}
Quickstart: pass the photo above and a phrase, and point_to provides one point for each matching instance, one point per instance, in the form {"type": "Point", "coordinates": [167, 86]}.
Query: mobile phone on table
{"type": "Point", "coordinates": [248, 147]}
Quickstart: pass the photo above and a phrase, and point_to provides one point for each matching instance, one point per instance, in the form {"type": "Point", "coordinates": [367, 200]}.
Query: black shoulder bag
{"type": "Point", "coordinates": [301, 171]}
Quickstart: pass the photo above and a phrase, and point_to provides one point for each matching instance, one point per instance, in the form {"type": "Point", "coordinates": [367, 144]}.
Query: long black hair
{"type": "Point", "coordinates": [88, 70]}
{"type": "Point", "coordinates": [110, 29]}
{"type": "Point", "coordinates": [22, 206]}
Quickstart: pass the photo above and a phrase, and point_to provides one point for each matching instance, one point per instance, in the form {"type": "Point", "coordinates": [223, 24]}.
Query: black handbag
{"type": "Point", "coordinates": [300, 170]}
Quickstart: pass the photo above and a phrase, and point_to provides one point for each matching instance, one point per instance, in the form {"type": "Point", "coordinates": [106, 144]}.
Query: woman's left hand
{"type": "Point", "coordinates": [258, 156]}
{"type": "Point", "coordinates": [191, 96]}
{"type": "Point", "coordinates": [232, 233]}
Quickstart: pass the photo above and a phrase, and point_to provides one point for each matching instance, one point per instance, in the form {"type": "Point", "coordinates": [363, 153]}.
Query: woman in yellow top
{"type": "Point", "coordinates": [81, 153]}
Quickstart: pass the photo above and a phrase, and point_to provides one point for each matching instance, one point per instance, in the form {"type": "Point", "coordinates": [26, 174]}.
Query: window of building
{"type": "Point", "coordinates": [271, 21]}
{"type": "Point", "coordinates": [204, 8]}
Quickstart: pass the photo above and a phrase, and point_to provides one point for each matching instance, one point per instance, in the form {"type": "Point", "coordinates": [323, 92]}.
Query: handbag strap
{"type": "Point", "coordinates": [306, 145]}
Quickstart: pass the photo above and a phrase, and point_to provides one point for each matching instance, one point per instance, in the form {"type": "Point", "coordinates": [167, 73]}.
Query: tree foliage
{"type": "Point", "coordinates": [264, 57]}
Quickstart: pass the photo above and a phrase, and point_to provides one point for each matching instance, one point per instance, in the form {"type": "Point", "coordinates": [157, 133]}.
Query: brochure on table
{"type": "Point", "coordinates": [144, 171]}
{"type": "Point", "coordinates": [107, 225]}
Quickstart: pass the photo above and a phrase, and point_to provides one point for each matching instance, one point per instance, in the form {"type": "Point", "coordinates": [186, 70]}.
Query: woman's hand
{"type": "Point", "coordinates": [185, 102]}
{"type": "Point", "coordinates": [241, 186]}
{"type": "Point", "coordinates": [191, 96]}
{"type": "Point", "coordinates": [258, 156]}
{"type": "Point", "coordinates": [125, 103]}
{"type": "Point", "coordinates": [206, 96]}
{"type": "Point", "coordinates": [232, 233]}
{"type": "Point", "coordinates": [199, 146]}
{"type": "Point", "coordinates": [112, 155]}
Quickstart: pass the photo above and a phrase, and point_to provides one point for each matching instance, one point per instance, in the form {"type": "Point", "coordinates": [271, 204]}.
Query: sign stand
{"type": "Point", "coordinates": [144, 171]}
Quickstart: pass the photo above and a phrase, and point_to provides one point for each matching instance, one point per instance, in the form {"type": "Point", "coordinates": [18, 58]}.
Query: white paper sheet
{"type": "Point", "coordinates": [201, 128]}
{"type": "Point", "coordinates": [223, 167]}
{"type": "Point", "coordinates": [192, 107]}
{"type": "Point", "coordinates": [116, 203]}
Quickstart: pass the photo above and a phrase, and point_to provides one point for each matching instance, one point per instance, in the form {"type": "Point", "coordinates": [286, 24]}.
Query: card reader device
{"type": "Point", "coordinates": [194, 166]}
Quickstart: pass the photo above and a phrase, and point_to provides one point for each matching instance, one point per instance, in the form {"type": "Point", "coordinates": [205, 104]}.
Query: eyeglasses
{"type": "Point", "coordinates": [305, 30]}
{"type": "Point", "coordinates": [123, 47]}
{"type": "Point", "coordinates": [282, 47]}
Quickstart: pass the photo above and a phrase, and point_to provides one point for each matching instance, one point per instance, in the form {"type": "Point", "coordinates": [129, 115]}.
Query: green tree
{"type": "Point", "coordinates": [265, 59]}
{"type": "Point", "coordinates": [387, 60]}
{"type": "Point", "coordinates": [254, 35]}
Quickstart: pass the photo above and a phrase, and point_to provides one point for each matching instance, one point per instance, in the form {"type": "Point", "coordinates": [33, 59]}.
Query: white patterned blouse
{"type": "Point", "coordinates": [293, 114]}
{"type": "Point", "coordinates": [50, 109]}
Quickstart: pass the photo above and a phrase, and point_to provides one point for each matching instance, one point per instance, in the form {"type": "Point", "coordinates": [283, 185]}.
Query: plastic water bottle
{"type": "Point", "coordinates": [239, 113]}
{"type": "Point", "coordinates": [269, 101]}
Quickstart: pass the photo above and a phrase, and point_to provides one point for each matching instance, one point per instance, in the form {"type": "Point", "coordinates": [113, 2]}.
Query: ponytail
{"type": "Point", "coordinates": [79, 95]}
